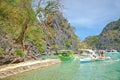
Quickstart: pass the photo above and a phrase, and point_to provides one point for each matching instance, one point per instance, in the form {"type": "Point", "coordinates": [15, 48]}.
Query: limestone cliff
{"type": "Point", "coordinates": [109, 38]}
{"type": "Point", "coordinates": [59, 35]}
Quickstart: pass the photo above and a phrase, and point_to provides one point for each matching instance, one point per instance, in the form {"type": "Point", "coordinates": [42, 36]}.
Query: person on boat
{"type": "Point", "coordinates": [101, 55]}
{"type": "Point", "coordinates": [93, 56]}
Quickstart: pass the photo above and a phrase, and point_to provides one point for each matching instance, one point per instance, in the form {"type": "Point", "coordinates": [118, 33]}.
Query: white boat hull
{"type": "Point", "coordinates": [84, 60]}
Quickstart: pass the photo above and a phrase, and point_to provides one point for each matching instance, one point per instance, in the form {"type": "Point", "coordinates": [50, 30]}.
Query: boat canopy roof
{"type": "Point", "coordinates": [88, 51]}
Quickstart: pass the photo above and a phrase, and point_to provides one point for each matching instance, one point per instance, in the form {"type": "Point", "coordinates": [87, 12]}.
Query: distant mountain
{"type": "Point", "coordinates": [91, 41]}
{"type": "Point", "coordinates": [109, 37]}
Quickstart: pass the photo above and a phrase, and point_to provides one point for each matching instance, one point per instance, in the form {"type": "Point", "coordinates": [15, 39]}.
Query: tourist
{"type": "Point", "coordinates": [101, 54]}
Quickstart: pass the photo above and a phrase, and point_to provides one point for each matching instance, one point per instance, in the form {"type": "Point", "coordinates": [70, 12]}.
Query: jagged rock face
{"type": "Point", "coordinates": [108, 39]}
{"type": "Point", "coordinates": [9, 46]}
{"type": "Point", "coordinates": [110, 36]}
{"type": "Point", "coordinates": [63, 32]}
{"type": "Point", "coordinates": [64, 38]}
{"type": "Point", "coordinates": [112, 26]}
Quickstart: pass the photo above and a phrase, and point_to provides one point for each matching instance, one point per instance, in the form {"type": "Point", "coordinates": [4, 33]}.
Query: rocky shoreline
{"type": "Point", "coordinates": [12, 69]}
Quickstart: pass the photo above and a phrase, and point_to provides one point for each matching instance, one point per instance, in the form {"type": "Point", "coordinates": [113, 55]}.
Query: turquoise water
{"type": "Point", "coordinates": [74, 70]}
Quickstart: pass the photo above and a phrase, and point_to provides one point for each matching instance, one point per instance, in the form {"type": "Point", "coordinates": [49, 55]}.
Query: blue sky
{"type": "Point", "coordinates": [89, 17]}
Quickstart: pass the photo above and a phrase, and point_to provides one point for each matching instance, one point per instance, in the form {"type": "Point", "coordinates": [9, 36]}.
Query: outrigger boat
{"type": "Point", "coordinates": [89, 59]}
{"type": "Point", "coordinates": [91, 56]}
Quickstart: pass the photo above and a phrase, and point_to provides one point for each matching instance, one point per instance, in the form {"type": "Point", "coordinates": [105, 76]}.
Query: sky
{"type": "Point", "coordinates": [89, 17]}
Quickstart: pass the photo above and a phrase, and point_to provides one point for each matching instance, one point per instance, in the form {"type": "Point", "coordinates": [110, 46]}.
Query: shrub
{"type": "Point", "coordinates": [19, 52]}
{"type": "Point", "coordinates": [41, 46]}
{"type": "Point", "coordinates": [1, 51]}
{"type": "Point", "coordinates": [55, 46]}
{"type": "Point", "coordinates": [68, 43]}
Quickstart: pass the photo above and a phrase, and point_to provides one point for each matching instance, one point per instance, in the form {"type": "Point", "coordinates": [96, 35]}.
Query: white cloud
{"type": "Point", "coordinates": [89, 13]}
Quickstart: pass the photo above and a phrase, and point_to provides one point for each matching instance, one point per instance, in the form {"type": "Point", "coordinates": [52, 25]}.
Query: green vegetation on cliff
{"type": "Point", "coordinates": [108, 39]}
{"type": "Point", "coordinates": [30, 28]}
{"type": "Point", "coordinates": [1, 51]}
{"type": "Point", "coordinates": [91, 41]}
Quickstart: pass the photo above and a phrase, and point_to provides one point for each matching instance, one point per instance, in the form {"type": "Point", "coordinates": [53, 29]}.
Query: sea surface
{"type": "Point", "coordinates": [74, 70]}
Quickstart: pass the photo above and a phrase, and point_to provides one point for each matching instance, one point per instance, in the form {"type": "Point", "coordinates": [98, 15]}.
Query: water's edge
{"type": "Point", "coordinates": [13, 69]}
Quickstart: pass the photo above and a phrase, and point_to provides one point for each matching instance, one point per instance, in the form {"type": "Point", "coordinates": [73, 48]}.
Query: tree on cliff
{"type": "Point", "coordinates": [28, 18]}
{"type": "Point", "coordinates": [18, 13]}
{"type": "Point", "coordinates": [18, 17]}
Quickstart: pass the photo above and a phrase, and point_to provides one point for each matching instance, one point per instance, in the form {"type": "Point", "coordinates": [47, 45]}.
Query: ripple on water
{"type": "Point", "coordinates": [100, 70]}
